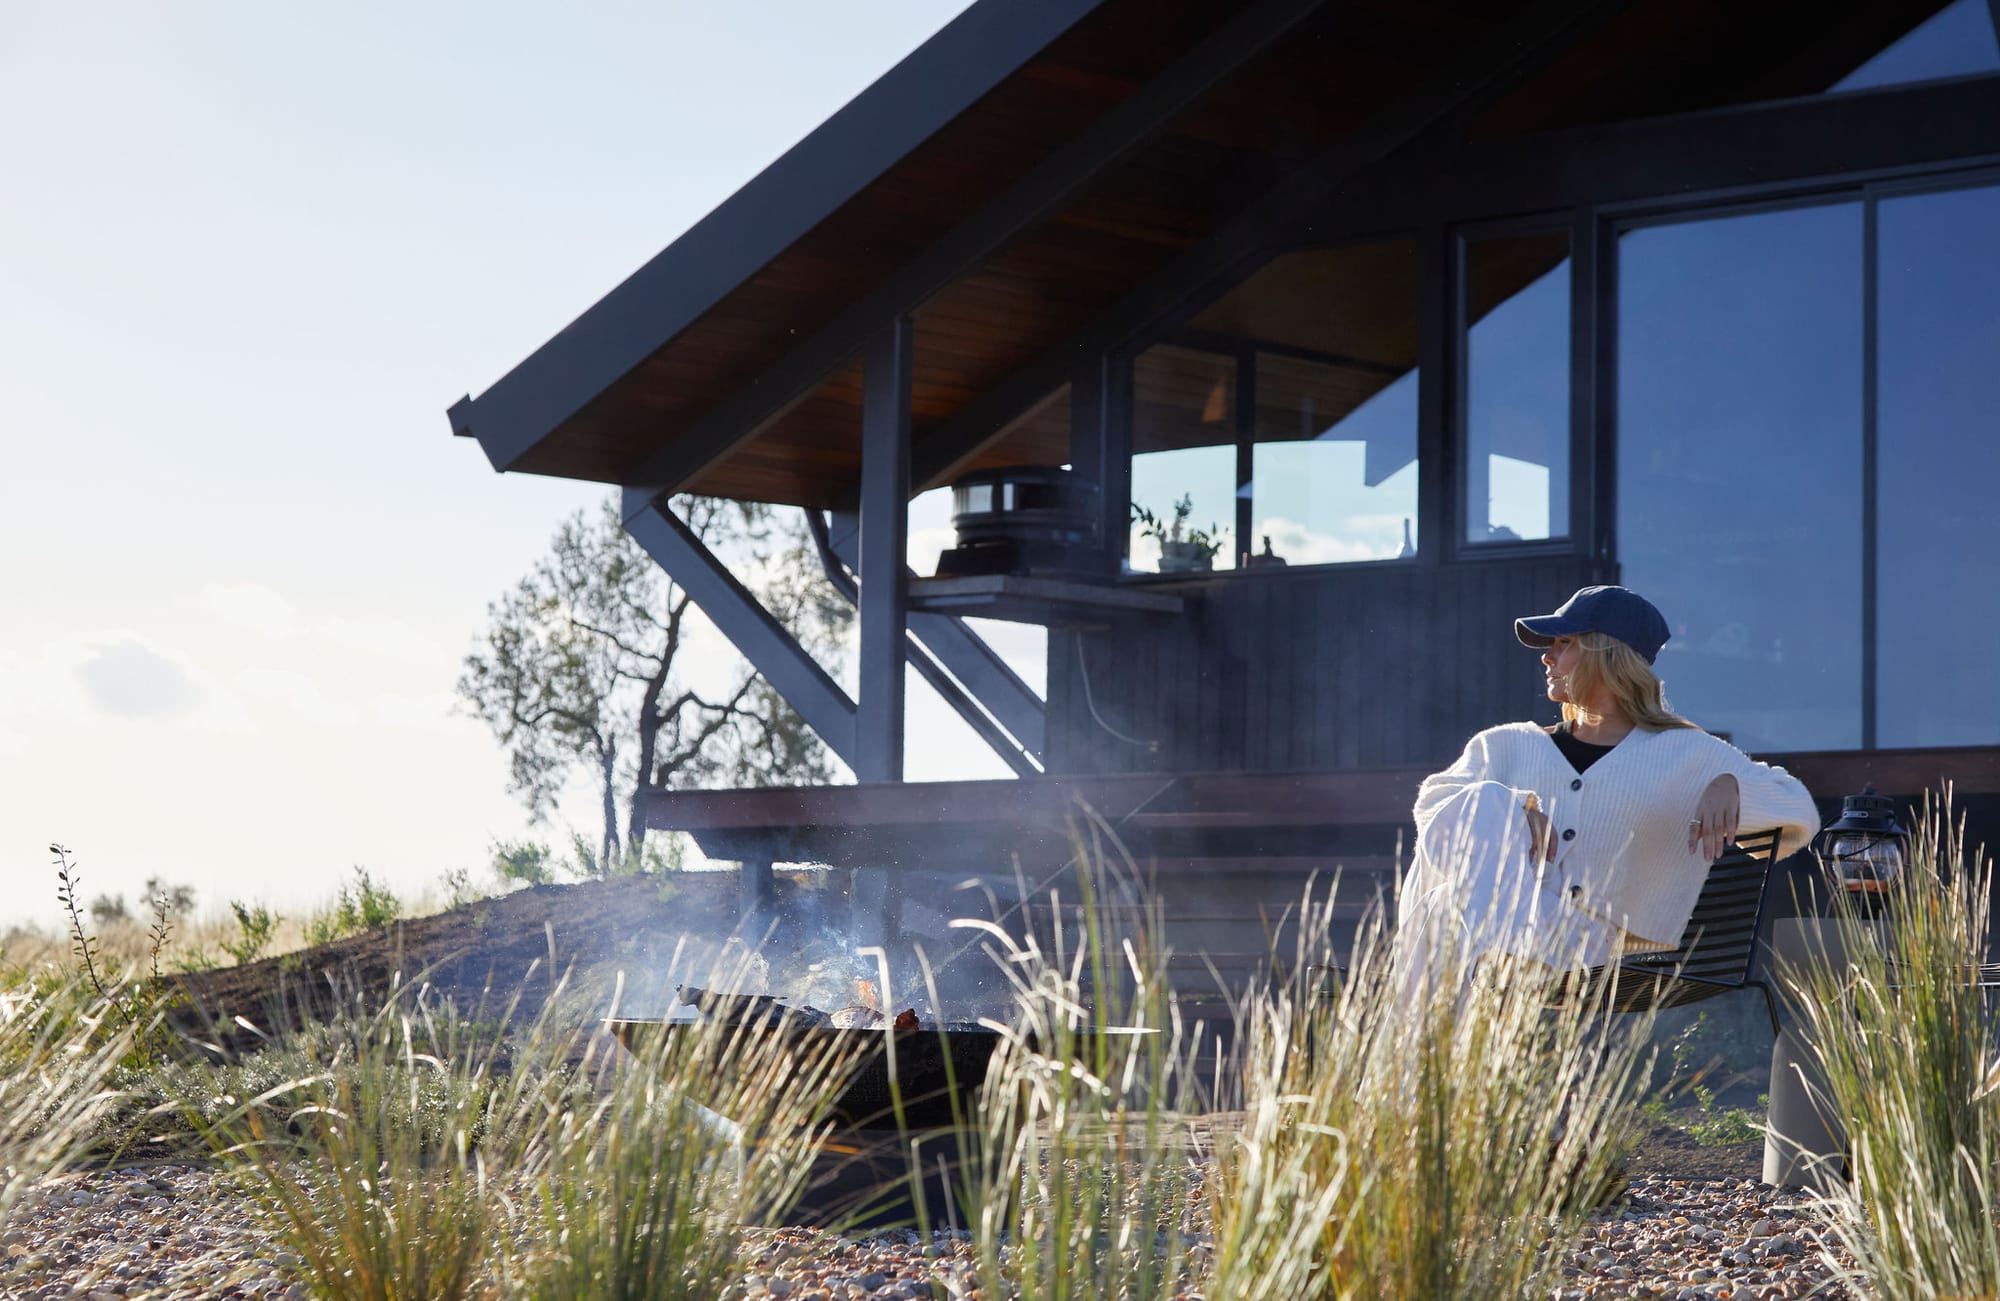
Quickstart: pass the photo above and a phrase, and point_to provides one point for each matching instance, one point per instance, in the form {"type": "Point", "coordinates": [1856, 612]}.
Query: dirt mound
{"type": "Point", "coordinates": [484, 952]}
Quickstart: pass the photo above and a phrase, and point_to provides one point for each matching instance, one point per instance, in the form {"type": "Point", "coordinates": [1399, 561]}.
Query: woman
{"type": "Point", "coordinates": [1569, 844]}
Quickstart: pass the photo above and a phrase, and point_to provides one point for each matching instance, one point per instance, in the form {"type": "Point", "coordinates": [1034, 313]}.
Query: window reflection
{"type": "Point", "coordinates": [1333, 335]}
{"type": "Point", "coordinates": [1333, 480]}
{"type": "Point", "coordinates": [1739, 466]}
{"type": "Point", "coordinates": [1938, 456]}
{"type": "Point", "coordinates": [1184, 460]}
{"type": "Point", "coordinates": [1517, 388]}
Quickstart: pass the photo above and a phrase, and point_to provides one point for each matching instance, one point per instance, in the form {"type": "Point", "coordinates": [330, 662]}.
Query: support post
{"type": "Point", "coordinates": [1439, 486]}
{"type": "Point", "coordinates": [757, 888]}
{"type": "Point", "coordinates": [1245, 419]}
{"type": "Point", "coordinates": [1100, 447]}
{"type": "Point", "coordinates": [885, 517]}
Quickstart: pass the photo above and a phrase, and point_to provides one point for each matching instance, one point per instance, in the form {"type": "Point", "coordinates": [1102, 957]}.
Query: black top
{"type": "Point", "coordinates": [1581, 754]}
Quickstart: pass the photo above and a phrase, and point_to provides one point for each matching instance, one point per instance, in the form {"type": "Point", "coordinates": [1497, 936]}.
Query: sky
{"type": "Point", "coordinates": [249, 254]}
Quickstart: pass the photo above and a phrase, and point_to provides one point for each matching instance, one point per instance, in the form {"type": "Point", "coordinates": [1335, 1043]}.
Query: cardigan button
{"type": "Point", "coordinates": [1576, 783]}
{"type": "Point", "coordinates": [1570, 834]}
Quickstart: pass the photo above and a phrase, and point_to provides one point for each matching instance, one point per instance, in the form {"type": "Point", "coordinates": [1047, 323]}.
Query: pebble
{"type": "Point", "coordinates": [177, 1233]}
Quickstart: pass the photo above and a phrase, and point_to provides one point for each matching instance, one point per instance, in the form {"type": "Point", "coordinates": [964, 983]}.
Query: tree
{"type": "Point", "coordinates": [586, 662]}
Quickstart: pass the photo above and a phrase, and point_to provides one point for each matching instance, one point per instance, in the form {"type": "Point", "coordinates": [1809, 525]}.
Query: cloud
{"type": "Point", "coordinates": [391, 637]}
{"type": "Point", "coordinates": [15, 694]}
{"type": "Point", "coordinates": [259, 609]}
{"type": "Point", "coordinates": [295, 691]}
{"type": "Point", "coordinates": [1368, 537]}
{"type": "Point", "coordinates": [251, 606]}
{"type": "Point", "coordinates": [926, 544]}
{"type": "Point", "coordinates": [126, 676]}
{"type": "Point", "coordinates": [438, 710]}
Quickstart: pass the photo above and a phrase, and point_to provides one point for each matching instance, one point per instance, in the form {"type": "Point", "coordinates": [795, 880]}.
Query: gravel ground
{"type": "Point", "coordinates": [175, 1231]}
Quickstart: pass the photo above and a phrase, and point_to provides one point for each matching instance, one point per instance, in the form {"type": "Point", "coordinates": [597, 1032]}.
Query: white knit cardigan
{"type": "Point", "coordinates": [1621, 827]}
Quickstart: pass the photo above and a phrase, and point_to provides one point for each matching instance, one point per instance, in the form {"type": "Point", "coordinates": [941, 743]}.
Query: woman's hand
{"type": "Point", "coordinates": [1714, 822]}
{"type": "Point", "coordinates": [1541, 835]}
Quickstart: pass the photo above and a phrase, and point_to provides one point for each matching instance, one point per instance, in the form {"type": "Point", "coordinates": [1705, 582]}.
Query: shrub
{"type": "Point", "coordinates": [255, 926]}
{"type": "Point", "coordinates": [525, 861]}
{"type": "Point", "coordinates": [136, 1002]}
{"type": "Point", "coordinates": [361, 905]}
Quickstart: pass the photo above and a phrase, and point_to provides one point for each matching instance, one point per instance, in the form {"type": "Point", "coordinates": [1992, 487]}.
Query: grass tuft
{"type": "Point", "coordinates": [1442, 1141]}
{"type": "Point", "coordinates": [1906, 1042]}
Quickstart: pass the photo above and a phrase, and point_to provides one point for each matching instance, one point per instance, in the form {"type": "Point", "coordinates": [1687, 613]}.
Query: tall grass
{"type": "Point", "coordinates": [697, 1132]}
{"type": "Point", "coordinates": [1084, 1176]}
{"type": "Point", "coordinates": [385, 1169]}
{"type": "Point", "coordinates": [1906, 1040]}
{"type": "Point", "coordinates": [59, 1042]}
{"type": "Point", "coordinates": [1433, 1140]}
{"type": "Point", "coordinates": [1374, 1140]}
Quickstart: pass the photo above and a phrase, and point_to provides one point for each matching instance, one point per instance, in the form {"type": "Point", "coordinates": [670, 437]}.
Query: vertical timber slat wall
{"type": "Point", "coordinates": [1316, 670]}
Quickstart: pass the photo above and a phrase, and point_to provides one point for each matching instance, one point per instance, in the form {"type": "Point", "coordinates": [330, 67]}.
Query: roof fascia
{"type": "Point", "coordinates": [782, 385]}
{"type": "Point", "coordinates": [1502, 57]}
{"type": "Point", "coordinates": [906, 106]}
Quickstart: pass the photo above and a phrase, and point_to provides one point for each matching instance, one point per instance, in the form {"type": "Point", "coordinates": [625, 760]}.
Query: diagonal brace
{"type": "Point", "coordinates": [742, 618]}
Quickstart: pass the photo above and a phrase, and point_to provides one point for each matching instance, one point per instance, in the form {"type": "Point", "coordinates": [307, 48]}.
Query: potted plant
{"type": "Point", "coordinates": [1182, 549]}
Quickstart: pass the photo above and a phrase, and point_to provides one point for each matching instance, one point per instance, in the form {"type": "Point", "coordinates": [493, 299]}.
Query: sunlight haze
{"type": "Point", "coordinates": [249, 256]}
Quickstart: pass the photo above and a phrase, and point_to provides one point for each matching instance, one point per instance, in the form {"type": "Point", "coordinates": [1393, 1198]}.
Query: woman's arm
{"type": "Point", "coordinates": [1441, 792]}
{"type": "Point", "coordinates": [1764, 796]}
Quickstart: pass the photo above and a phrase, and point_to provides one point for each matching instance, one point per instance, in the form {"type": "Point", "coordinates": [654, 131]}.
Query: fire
{"type": "Point", "coordinates": [864, 994]}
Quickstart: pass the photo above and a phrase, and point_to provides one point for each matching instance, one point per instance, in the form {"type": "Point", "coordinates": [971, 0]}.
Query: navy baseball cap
{"type": "Point", "coordinates": [1614, 611]}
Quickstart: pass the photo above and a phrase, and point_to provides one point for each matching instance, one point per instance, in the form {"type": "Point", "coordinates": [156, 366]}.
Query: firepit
{"type": "Point", "coordinates": [874, 1158]}
{"type": "Point", "coordinates": [939, 1070]}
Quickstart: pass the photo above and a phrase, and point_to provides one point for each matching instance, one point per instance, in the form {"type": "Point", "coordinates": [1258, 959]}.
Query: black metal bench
{"type": "Point", "coordinates": [1718, 950]}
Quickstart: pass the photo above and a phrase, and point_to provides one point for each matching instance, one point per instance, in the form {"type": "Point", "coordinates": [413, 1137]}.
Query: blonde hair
{"type": "Point", "coordinates": [1626, 677]}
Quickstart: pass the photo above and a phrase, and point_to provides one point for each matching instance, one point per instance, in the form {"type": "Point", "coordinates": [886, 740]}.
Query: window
{"type": "Point", "coordinates": [1739, 481]}
{"type": "Point", "coordinates": [1333, 478]}
{"type": "Point", "coordinates": [1326, 340]}
{"type": "Point", "coordinates": [1517, 425]}
{"type": "Point", "coordinates": [1937, 459]}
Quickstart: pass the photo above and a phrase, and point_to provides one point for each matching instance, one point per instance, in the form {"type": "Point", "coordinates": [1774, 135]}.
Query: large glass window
{"type": "Point", "coordinates": [1740, 466]}
{"type": "Point", "coordinates": [1938, 459]}
{"type": "Point", "coordinates": [1517, 429]}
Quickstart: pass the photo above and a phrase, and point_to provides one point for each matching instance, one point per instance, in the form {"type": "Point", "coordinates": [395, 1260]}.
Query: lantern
{"type": "Point", "coordinates": [1864, 848]}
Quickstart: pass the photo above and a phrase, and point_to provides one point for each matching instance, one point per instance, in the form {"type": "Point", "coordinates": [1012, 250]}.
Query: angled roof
{"type": "Point", "coordinates": [1043, 173]}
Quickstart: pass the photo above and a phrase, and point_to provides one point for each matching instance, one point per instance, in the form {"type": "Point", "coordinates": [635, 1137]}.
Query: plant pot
{"type": "Point", "coordinates": [1183, 557]}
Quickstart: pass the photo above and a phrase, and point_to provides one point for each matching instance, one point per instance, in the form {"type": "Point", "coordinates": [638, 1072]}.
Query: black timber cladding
{"type": "Point", "coordinates": [1378, 666]}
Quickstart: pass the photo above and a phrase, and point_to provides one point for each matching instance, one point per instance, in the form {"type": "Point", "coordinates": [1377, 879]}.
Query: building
{"type": "Point", "coordinates": [1452, 307]}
